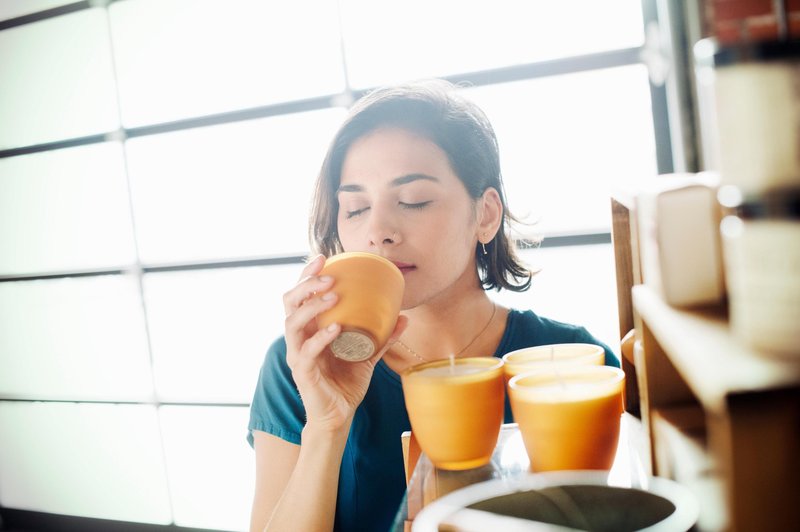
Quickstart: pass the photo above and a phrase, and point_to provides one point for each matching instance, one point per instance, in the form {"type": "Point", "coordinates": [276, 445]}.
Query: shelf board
{"type": "Point", "coordinates": [704, 351]}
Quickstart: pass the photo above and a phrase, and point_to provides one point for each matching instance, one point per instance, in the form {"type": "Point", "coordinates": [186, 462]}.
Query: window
{"type": "Point", "coordinates": [156, 165]}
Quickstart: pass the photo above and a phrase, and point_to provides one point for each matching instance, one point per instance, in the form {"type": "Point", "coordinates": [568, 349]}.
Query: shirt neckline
{"type": "Point", "coordinates": [501, 348]}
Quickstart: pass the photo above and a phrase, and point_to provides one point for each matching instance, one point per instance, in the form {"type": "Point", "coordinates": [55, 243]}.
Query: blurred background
{"type": "Point", "coordinates": [156, 164]}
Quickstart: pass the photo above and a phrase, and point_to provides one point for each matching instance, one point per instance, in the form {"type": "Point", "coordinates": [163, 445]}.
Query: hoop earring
{"type": "Point", "coordinates": [484, 248]}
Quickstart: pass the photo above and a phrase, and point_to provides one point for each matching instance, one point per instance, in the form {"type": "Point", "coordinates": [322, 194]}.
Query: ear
{"type": "Point", "coordinates": [490, 215]}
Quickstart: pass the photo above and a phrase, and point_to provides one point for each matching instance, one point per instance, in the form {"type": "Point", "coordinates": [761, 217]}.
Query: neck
{"type": "Point", "coordinates": [464, 327]}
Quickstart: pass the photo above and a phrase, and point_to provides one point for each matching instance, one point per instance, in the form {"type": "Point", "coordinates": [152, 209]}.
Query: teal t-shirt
{"type": "Point", "coordinates": [372, 480]}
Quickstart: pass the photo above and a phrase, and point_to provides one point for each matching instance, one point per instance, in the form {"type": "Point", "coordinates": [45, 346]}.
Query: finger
{"type": "Point", "coordinates": [296, 324]}
{"type": "Point", "coordinates": [311, 269]}
{"type": "Point", "coordinates": [399, 328]}
{"type": "Point", "coordinates": [313, 266]}
{"type": "Point", "coordinates": [315, 346]}
{"type": "Point", "coordinates": [305, 290]}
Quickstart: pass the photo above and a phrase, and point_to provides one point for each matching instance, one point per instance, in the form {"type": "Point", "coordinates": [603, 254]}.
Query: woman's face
{"type": "Point", "coordinates": [399, 198]}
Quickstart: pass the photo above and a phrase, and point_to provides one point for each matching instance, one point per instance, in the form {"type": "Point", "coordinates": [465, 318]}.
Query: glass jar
{"type": "Point", "coordinates": [749, 110]}
{"type": "Point", "coordinates": [761, 248]}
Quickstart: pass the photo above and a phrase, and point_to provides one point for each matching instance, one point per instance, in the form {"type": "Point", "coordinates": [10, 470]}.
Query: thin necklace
{"type": "Point", "coordinates": [423, 359]}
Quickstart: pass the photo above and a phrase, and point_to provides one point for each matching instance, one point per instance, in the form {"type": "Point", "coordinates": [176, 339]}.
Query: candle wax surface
{"type": "Point", "coordinates": [451, 371]}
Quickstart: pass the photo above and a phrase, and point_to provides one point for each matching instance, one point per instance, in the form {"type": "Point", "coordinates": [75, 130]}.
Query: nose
{"type": "Point", "coordinates": [383, 230]}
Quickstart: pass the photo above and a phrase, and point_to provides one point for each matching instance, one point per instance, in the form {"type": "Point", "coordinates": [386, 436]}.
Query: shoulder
{"type": "Point", "coordinates": [526, 324]}
{"type": "Point", "coordinates": [527, 329]}
{"type": "Point", "coordinates": [276, 353]}
{"type": "Point", "coordinates": [277, 407]}
{"type": "Point", "coordinates": [275, 370]}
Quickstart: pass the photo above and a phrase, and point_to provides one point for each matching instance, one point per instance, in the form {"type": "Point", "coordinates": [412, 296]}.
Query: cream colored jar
{"type": "Point", "coordinates": [762, 268]}
{"type": "Point", "coordinates": [752, 133]}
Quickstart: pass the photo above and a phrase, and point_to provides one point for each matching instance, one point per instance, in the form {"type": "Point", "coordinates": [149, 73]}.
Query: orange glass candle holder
{"type": "Point", "coordinates": [569, 417]}
{"type": "Point", "coordinates": [370, 290]}
{"type": "Point", "coordinates": [456, 409]}
{"type": "Point", "coordinates": [540, 356]}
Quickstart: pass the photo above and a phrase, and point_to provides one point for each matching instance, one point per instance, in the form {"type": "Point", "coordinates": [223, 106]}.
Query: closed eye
{"type": "Point", "coordinates": [351, 214]}
{"type": "Point", "coordinates": [420, 205]}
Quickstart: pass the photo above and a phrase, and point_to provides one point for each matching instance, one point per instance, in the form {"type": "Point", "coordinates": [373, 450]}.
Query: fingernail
{"type": "Point", "coordinates": [326, 278]}
{"type": "Point", "coordinates": [314, 259]}
{"type": "Point", "coordinates": [328, 296]}
{"type": "Point", "coordinates": [332, 327]}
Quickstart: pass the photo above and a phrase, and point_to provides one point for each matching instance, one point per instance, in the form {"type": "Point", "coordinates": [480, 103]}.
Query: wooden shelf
{"type": "Point", "coordinates": [703, 350]}
{"type": "Point", "coordinates": [750, 404]}
{"type": "Point", "coordinates": [708, 399]}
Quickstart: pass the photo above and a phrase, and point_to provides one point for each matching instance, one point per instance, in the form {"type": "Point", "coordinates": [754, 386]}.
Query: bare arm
{"type": "Point", "coordinates": [275, 461]}
{"type": "Point", "coordinates": [296, 486]}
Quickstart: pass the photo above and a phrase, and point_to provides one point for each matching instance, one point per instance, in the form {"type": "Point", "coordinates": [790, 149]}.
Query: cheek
{"type": "Point", "coordinates": [451, 246]}
{"type": "Point", "coordinates": [458, 235]}
{"type": "Point", "coordinates": [350, 235]}
{"type": "Point", "coordinates": [345, 235]}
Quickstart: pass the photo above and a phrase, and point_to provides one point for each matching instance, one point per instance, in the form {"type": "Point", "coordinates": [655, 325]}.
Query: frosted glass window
{"type": "Point", "coordinates": [210, 329]}
{"type": "Point", "coordinates": [17, 8]}
{"type": "Point", "coordinates": [566, 142]}
{"type": "Point", "coordinates": [575, 284]}
{"type": "Point", "coordinates": [419, 38]}
{"type": "Point", "coordinates": [79, 338]}
{"type": "Point", "coordinates": [183, 58]}
{"type": "Point", "coordinates": [211, 467]}
{"type": "Point", "coordinates": [65, 210]}
{"type": "Point", "coordinates": [57, 80]}
{"type": "Point", "coordinates": [102, 461]}
{"type": "Point", "coordinates": [237, 190]}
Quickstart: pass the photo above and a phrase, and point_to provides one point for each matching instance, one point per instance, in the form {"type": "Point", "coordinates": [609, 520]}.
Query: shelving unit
{"type": "Point", "coordinates": [722, 418]}
{"type": "Point", "coordinates": [751, 405]}
{"type": "Point", "coordinates": [707, 356]}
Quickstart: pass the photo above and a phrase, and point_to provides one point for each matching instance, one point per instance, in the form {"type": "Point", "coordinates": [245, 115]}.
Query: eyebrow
{"type": "Point", "coordinates": [396, 182]}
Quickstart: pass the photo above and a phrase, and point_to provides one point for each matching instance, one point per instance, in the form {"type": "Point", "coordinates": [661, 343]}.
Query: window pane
{"type": "Point", "coordinates": [566, 142]}
{"type": "Point", "coordinates": [210, 329]}
{"type": "Point", "coordinates": [17, 8]}
{"type": "Point", "coordinates": [238, 190]}
{"type": "Point", "coordinates": [57, 80]}
{"type": "Point", "coordinates": [65, 210]}
{"type": "Point", "coordinates": [183, 58]}
{"type": "Point", "coordinates": [210, 466]}
{"type": "Point", "coordinates": [102, 461]}
{"type": "Point", "coordinates": [79, 338]}
{"type": "Point", "coordinates": [419, 38]}
{"type": "Point", "coordinates": [575, 284]}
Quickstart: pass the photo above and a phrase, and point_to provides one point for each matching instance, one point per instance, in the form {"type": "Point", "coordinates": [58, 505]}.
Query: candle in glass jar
{"type": "Point", "coordinates": [539, 357]}
{"type": "Point", "coordinates": [569, 417]}
{"type": "Point", "coordinates": [370, 290]}
{"type": "Point", "coordinates": [456, 409]}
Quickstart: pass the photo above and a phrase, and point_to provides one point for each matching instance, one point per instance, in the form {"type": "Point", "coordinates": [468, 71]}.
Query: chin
{"type": "Point", "coordinates": [410, 301]}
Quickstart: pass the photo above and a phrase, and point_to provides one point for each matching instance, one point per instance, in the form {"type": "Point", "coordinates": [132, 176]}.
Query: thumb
{"type": "Point", "coordinates": [399, 328]}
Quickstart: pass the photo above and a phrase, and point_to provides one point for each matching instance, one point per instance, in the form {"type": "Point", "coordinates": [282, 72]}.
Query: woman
{"type": "Point", "coordinates": [412, 175]}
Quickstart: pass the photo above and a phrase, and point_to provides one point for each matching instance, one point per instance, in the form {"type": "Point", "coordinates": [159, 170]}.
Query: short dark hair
{"type": "Point", "coordinates": [435, 110]}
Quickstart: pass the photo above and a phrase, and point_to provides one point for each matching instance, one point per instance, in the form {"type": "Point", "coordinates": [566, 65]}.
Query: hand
{"type": "Point", "coordinates": [331, 388]}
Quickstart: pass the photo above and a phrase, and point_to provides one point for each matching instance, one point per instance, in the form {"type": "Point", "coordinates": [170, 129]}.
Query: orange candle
{"type": "Point", "coordinates": [569, 417]}
{"type": "Point", "coordinates": [370, 290]}
{"type": "Point", "coordinates": [456, 409]}
{"type": "Point", "coordinates": [539, 357]}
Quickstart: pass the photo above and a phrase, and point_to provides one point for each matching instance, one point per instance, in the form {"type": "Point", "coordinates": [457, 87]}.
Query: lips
{"type": "Point", "coordinates": [404, 267]}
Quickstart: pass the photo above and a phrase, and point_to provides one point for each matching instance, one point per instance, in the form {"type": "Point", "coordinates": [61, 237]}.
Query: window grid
{"type": "Point", "coordinates": [608, 59]}
{"type": "Point", "coordinates": [601, 60]}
